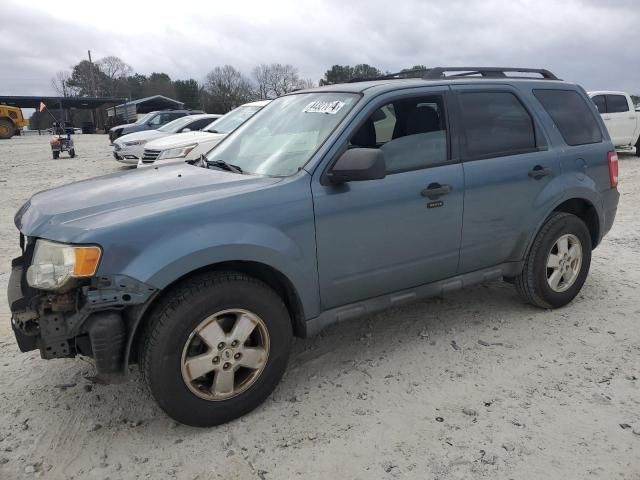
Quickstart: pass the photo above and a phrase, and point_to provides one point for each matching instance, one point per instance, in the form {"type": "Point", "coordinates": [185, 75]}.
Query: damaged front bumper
{"type": "Point", "coordinates": [95, 319]}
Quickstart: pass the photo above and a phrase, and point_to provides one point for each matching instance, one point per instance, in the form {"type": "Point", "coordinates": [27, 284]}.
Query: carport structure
{"type": "Point", "coordinates": [58, 105]}
{"type": "Point", "coordinates": [130, 109]}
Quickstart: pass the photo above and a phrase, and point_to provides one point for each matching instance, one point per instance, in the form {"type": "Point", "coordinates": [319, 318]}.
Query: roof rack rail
{"type": "Point", "coordinates": [390, 76]}
{"type": "Point", "coordinates": [438, 73]}
{"type": "Point", "coordinates": [486, 72]}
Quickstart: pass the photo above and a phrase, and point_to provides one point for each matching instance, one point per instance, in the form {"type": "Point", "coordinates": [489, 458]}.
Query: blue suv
{"type": "Point", "coordinates": [329, 204]}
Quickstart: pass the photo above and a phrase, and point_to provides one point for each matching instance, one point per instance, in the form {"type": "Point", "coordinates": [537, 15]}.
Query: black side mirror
{"type": "Point", "coordinates": [358, 164]}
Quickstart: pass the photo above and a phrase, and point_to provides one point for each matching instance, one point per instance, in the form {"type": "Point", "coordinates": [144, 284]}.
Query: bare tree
{"type": "Point", "coordinates": [228, 88]}
{"type": "Point", "coordinates": [262, 74]}
{"type": "Point", "coordinates": [276, 79]}
{"type": "Point", "coordinates": [115, 70]}
{"type": "Point", "coordinates": [307, 83]}
{"type": "Point", "coordinates": [60, 83]}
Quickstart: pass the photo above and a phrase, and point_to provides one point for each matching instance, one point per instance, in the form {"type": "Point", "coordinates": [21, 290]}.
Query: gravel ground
{"type": "Point", "coordinates": [473, 385]}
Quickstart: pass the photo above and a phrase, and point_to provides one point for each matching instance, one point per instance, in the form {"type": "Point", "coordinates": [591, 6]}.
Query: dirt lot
{"type": "Point", "coordinates": [475, 385]}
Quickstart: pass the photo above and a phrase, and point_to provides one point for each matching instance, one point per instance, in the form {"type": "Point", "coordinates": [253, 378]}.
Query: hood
{"type": "Point", "coordinates": [70, 212]}
{"type": "Point", "coordinates": [119, 127]}
{"type": "Point", "coordinates": [147, 135]}
{"type": "Point", "coordinates": [182, 139]}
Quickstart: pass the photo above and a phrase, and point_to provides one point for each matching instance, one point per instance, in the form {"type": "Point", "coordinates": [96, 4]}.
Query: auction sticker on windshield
{"type": "Point", "coordinates": [324, 107]}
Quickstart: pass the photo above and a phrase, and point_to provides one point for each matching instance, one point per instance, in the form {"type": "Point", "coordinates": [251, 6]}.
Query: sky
{"type": "Point", "coordinates": [592, 42]}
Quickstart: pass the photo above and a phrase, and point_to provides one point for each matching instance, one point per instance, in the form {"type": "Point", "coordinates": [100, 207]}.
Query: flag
{"type": "Point", "coordinates": [42, 107]}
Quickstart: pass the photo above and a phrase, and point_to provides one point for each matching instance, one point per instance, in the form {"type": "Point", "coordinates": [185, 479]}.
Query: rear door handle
{"type": "Point", "coordinates": [538, 172]}
{"type": "Point", "coordinates": [435, 190]}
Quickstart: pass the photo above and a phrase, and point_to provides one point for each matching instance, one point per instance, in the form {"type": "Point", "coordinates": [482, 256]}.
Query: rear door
{"type": "Point", "coordinates": [506, 166]}
{"type": "Point", "coordinates": [619, 119]}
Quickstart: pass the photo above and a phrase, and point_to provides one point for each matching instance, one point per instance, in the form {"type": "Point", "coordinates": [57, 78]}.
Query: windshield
{"type": "Point", "coordinates": [176, 125]}
{"type": "Point", "coordinates": [232, 120]}
{"type": "Point", "coordinates": [285, 135]}
{"type": "Point", "coordinates": [145, 118]}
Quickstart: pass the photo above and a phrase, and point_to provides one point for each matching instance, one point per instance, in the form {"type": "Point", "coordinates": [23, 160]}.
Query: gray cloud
{"type": "Point", "coordinates": [587, 41]}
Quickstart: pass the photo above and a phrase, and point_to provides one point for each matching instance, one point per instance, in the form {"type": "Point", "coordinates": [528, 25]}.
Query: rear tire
{"type": "Point", "coordinates": [72, 153]}
{"type": "Point", "coordinates": [180, 333]}
{"type": "Point", "coordinates": [557, 264]}
{"type": "Point", "coordinates": [56, 155]}
{"type": "Point", "coordinates": [638, 148]}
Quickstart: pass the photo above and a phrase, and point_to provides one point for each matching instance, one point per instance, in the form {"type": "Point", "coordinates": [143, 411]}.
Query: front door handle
{"type": "Point", "coordinates": [435, 190]}
{"type": "Point", "coordinates": [538, 172]}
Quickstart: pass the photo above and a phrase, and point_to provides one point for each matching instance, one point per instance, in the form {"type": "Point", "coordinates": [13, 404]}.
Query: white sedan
{"type": "Point", "coordinates": [129, 148]}
{"type": "Point", "coordinates": [189, 146]}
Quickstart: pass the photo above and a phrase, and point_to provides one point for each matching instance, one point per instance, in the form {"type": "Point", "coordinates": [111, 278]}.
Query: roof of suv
{"type": "Point", "coordinates": [436, 76]}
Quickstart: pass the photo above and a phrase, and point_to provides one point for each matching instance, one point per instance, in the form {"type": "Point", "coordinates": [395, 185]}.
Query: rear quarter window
{"type": "Point", "coordinates": [572, 116]}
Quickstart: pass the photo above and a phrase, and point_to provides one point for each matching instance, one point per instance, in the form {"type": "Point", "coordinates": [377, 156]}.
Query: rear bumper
{"type": "Point", "coordinates": [610, 199]}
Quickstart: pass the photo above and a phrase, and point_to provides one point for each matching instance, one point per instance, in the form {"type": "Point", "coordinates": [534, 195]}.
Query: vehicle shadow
{"type": "Point", "coordinates": [462, 318]}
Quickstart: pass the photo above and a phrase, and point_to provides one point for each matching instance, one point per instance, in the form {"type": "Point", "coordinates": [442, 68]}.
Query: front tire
{"type": "Point", "coordinates": [557, 264]}
{"type": "Point", "coordinates": [6, 129]}
{"type": "Point", "coordinates": [215, 348]}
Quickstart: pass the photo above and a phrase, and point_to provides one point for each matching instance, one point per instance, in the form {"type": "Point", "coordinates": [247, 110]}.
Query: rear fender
{"type": "Point", "coordinates": [581, 190]}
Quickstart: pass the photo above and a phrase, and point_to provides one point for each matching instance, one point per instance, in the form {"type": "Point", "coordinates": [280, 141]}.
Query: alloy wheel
{"type": "Point", "coordinates": [225, 354]}
{"type": "Point", "coordinates": [564, 263]}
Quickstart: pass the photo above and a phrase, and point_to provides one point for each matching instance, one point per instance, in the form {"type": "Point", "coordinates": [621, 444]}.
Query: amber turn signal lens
{"type": "Point", "coordinates": [87, 259]}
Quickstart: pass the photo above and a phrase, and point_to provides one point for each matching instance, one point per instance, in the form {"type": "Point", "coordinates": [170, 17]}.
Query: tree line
{"type": "Point", "coordinates": [221, 90]}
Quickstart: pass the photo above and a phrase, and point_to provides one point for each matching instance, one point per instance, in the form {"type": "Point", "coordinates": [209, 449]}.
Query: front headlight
{"type": "Point", "coordinates": [54, 264]}
{"type": "Point", "coordinates": [134, 142]}
{"type": "Point", "coordinates": [176, 152]}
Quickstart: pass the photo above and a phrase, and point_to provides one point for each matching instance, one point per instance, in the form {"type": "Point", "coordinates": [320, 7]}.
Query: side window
{"type": "Point", "coordinates": [600, 102]}
{"type": "Point", "coordinates": [496, 124]}
{"type": "Point", "coordinates": [617, 104]}
{"type": "Point", "coordinates": [411, 132]}
{"type": "Point", "coordinates": [570, 112]}
{"type": "Point", "coordinates": [198, 124]}
{"type": "Point", "coordinates": [168, 117]}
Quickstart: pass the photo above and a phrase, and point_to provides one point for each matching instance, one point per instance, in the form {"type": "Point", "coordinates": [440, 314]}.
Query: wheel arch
{"type": "Point", "coordinates": [586, 211]}
{"type": "Point", "coordinates": [579, 206]}
{"type": "Point", "coordinates": [272, 277]}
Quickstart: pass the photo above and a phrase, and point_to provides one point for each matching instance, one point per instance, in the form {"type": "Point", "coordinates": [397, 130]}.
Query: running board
{"type": "Point", "coordinates": [435, 289]}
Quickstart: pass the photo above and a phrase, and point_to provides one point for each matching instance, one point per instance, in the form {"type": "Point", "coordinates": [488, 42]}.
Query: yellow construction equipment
{"type": "Point", "coordinates": [11, 121]}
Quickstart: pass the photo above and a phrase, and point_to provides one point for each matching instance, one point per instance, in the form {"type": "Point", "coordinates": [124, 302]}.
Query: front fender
{"type": "Point", "coordinates": [231, 241]}
{"type": "Point", "coordinates": [273, 226]}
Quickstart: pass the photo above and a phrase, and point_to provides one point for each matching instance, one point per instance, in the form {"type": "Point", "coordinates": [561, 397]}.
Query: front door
{"type": "Point", "coordinates": [380, 236]}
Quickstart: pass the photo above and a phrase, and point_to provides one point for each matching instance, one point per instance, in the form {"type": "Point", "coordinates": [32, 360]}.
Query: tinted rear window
{"type": "Point", "coordinates": [496, 124]}
{"type": "Point", "coordinates": [572, 115]}
{"type": "Point", "coordinates": [617, 104]}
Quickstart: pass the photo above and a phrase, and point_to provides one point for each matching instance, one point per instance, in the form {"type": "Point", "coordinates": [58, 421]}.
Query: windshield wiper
{"type": "Point", "coordinates": [221, 164]}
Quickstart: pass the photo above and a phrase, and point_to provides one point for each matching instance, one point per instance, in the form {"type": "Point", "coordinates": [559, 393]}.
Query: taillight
{"type": "Point", "coordinates": [612, 158]}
